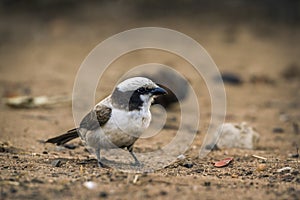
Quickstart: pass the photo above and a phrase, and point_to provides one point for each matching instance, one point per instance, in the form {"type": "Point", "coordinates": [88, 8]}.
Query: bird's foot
{"type": "Point", "coordinates": [137, 164]}
{"type": "Point", "coordinates": [102, 165]}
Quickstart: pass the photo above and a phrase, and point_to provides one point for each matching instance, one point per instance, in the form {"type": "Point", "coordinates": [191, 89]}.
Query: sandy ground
{"type": "Point", "coordinates": [41, 56]}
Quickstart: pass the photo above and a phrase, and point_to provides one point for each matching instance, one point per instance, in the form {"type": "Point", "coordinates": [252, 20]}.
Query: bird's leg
{"type": "Point", "coordinates": [136, 161]}
{"type": "Point", "coordinates": [100, 164]}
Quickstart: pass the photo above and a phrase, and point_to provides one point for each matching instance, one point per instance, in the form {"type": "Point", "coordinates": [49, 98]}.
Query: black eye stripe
{"type": "Point", "coordinates": [143, 90]}
{"type": "Point", "coordinates": [130, 99]}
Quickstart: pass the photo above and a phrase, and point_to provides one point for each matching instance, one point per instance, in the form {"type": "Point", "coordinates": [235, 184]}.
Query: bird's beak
{"type": "Point", "coordinates": [158, 91]}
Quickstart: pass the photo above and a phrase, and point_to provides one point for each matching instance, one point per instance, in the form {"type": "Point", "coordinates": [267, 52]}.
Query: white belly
{"type": "Point", "coordinates": [121, 130]}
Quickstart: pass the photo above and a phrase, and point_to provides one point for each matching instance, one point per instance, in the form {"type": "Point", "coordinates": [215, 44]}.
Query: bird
{"type": "Point", "coordinates": [118, 120]}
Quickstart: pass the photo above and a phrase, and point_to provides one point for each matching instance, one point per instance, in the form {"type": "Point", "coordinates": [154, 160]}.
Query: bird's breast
{"type": "Point", "coordinates": [121, 130]}
{"type": "Point", "coordinates": [133, 122]}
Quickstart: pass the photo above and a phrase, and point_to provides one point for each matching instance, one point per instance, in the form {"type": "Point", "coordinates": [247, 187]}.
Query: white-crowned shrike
{"type": "Point", "coordinates": [118, 120]}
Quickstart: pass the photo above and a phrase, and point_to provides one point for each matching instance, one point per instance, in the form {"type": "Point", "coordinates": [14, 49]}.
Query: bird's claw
{"type": "Point", "coordinates": [137, 164]}
{"type": "Point", "coordinates": [101, 165]}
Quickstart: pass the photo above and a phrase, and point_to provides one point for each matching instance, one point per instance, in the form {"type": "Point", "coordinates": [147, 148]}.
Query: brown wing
{"type": "Point", "coordinates": [96, 118]}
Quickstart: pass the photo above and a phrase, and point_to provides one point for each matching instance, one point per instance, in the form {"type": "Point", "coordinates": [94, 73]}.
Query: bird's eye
{"type": "Point", "coordinates": [141, 90]}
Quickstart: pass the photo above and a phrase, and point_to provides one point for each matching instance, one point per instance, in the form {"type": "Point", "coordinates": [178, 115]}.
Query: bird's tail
{"type": "Point", "coordinates": [64, 138]}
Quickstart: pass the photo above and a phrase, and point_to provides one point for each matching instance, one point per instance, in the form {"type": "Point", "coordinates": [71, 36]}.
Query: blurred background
{"type": "Point", "coordinates": [40, 38]}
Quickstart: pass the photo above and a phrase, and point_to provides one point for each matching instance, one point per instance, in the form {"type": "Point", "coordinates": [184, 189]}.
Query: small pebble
{"type": "Point", "coordinates": [90, 185]}
{"type": "Point", "coordinates": [188, 164]}
{"type": "Point", "coordinates": [284, 169]}
{"type": "Point", "coordinates": [247, 173]}
{"type": "Point", "coordinates": [230, 78]}
{"type": "Point", "coordinates": [103, 194]}
{"type": "Point", "coordinates": [200, 170]}
{"type": "Point", "coordinates": [234, 176]}
{"type": "Point", "coordinates": [50, 181]}
{"type": "Point", "coordinates": [56, 163]}
{"type": "Point", "coordinates": [296, 155]}
{"type": "Point", "coordinates": [35, 180]}
{"type": "Point", "coordinates": [135, 179]}
{"type": "Point", "coordinates": [261, 167]}
{"type": "Point", "coordinates": [278, 130]}
{"type": "Point", "coordinates": [2, 149]}
{"type": "Point", "coordinates": [163, 193]}
{"type": "Point", "coordinates": [13, 190]}
{"type": "Point", "coordinates": [207, 184]}
{"type": "Point", "coordinates": [284, 117]}
{"type": "Point", "coordinates": [181, 157]}
{"type": "Point", "coordinates": [295, 172]}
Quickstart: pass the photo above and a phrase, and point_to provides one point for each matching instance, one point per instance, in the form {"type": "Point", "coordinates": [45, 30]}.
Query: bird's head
{"type": "Point", "coordinates": [135, 93]}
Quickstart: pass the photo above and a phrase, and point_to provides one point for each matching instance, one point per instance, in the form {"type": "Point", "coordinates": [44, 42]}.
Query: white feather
{"type": "Point", "coordinates": [132, 84]}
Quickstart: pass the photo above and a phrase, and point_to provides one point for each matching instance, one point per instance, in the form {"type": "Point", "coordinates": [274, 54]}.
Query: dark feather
{"type": "Point", "coordinates": [96, 118]}
{"type": "Point", "coordinates": [93, 120]}
{"type": "Point", "coordinates": [129, 100]}
{"type": "Point", "coordinates": [64, 138]}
